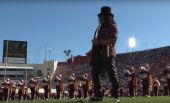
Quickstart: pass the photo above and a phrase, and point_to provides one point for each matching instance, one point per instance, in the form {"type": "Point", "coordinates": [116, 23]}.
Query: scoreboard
{"type": "Point", "coordinates": [15, 51]}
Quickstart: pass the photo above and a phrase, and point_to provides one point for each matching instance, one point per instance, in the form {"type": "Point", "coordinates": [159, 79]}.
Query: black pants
{"type": "Point", "coordinates": [20, 94]}
{"type": "Point", "coordinates": [156, 91]}
{"type": "Point", "coordinates": [131, 89]}
{"type": "Point", "coordinates": [165, 90]}
{"type": "Point", "coordinates": [32, 93]}
{"type": "Point", "coordinates": [145, 87]}
{"type": "Point", "coordinates": [13, 95]}
{"type": "Point", "coordinates": [46, 92]}
{"type": "Point", "coordinates": [98, 67]}
{"type": "Point", "coordinates": [1, 96]}
{"type": "Point", "coordinates": [71, 93]}
{"type": "Point", "coordinates": [6, 94]}
{"type": "Point", "coordinates": [168, 82]}
{"type": "Point", "coordinates": [58, 91]}
{"type": "Point", "coordinates": [85, 91]}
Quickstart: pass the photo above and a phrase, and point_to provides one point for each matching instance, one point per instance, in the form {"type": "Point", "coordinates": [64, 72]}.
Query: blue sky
{"type": "Point", "coordinates": [64, 24]}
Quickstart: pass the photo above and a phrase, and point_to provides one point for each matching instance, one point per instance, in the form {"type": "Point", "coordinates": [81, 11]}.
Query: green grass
{"type": "Point", "coordinates": [159, 99]}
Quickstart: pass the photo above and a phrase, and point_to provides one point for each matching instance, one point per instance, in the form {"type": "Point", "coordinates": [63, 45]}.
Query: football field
{"type": "Point", "coordinates": [158, 99]}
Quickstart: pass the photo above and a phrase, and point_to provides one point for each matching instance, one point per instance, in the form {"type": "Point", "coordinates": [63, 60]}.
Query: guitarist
{"type": "Point", "coordinates": [104, 54]}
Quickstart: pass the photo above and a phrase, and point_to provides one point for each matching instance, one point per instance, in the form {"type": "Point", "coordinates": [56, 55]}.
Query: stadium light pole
{"type": "Point", "coordinates": [132, 43]}
{"type": "Point", "coordinates": [49, 53]}
{"type": "Point", "coordinates": [6, 55]}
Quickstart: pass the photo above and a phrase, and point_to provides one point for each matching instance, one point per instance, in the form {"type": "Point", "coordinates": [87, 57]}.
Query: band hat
{"type": "Point", "coordinates": [132, 68]}
{"type": "Point", "coordinates": [143, 68]}
{"type": "Point", "coordinates": [168, 66]}
{"type": "Point", "coordinates": [105, 10]}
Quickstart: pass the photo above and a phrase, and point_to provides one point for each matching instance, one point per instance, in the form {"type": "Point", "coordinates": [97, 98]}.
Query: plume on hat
{"type": "Point", "coordinates": [142, 68]}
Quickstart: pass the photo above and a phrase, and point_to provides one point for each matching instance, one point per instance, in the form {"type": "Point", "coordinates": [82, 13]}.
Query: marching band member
{"type": "Point", "coordinates": [6, 89]}
{"type": "Point", "coordinates": [90, 88]}
{"type": "Point", "coordinates": [72, 86]}
{"type": "Point", "coordinates": [13, 91]}
{"type": "Point", "coordinates": [85, 85]}
{"type": "Point", "coordinates": [20, 86]}
{"type": "Point", "coordinates": [122, 89]}
{"type": "Point", "coordinates": [156, 86]}
{"type": "Point", "coordinates": [147, 81]}
{"type": "Point", "coordinates": [25, 91]}
{"type": "Point", "coordinates": [59, 86]}
{"type": "Point", "coordinates": [37, 87]}
{"type": "Point", "coordinates": [165, 87]}
{"type": "Point", "coordinates": [47, 86]}
{"type": "Point", "coordinates": [79, 90]}
{"type": "Point", "coordinates": [1, 92]}
{"type": "Point", "coordinates": [132, 80]}
{"type": "Point", "coordinates": [167, 77]}
{"type": "Point", "coordinates": [32, 85]}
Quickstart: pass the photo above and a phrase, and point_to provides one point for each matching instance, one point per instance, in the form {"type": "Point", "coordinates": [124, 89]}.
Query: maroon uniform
{"type": "Point", "coordinates": [72, 86]}
{"type": "Point", "coordinates": [156, 85]}
{"type": "Point", "coordinates": [25, 92]}
{"type": "Point", "coordinates": [20, 87]}
{"type": "Point", "coordinates": [167, 76]}
{"type": "Point", "coordinates": [132, 81]}
{"type": "Point", "coordinates": [59, 86]}
{"type": "Point", "coordinates": [32, 85]}
{"type": "Point", "coordinates": [122, 89]}
{"type": "Point", "coordinates": [6, 89]}
{"type": "Point", "coordinates": [79, 90]}
{"type": "Point", "coordinates": [147, 81]}
{"type": "Point", "coordinates": [37, 87]}
{"type": "Point", "coordinates": [13, 90]}
{"type": "Point", "coordinates": [47, 87]}
{"type": "Point", "coordinates": [85, 85]}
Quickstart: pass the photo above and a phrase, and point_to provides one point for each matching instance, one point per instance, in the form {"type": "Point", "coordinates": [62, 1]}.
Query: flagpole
{"type": "Point", "coordinates": [45, 58]}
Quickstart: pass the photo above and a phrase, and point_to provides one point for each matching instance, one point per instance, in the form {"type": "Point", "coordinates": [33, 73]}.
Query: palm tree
{"type": "Point", "coordinates": [67, 53]}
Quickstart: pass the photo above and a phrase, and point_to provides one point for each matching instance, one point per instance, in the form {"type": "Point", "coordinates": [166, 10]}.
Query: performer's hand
{"type": "Point", "coordinates": [95, 42]}
{"type": "Point", "coordinates": [103, 42]}
{"type": "Point", "coordinates": [107, 41]}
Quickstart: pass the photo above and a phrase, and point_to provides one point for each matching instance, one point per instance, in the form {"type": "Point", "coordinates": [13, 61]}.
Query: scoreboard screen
{"type": "Point", "coordinates": [15, 51]}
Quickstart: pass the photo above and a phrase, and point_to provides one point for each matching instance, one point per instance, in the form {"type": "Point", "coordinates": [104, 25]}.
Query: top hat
{"type": "Point", "coordinates": [105, 10]}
